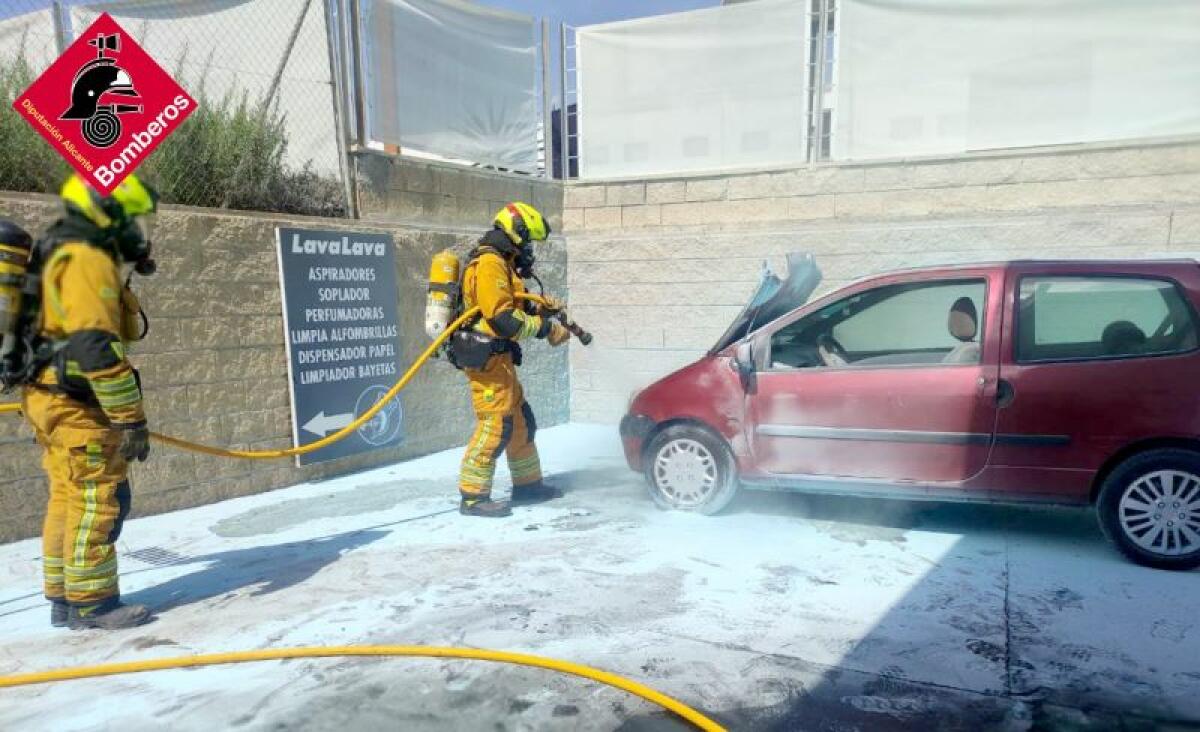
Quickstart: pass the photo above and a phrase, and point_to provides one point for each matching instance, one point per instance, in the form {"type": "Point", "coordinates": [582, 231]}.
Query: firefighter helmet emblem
{"type": "Point", "coordinates": [97, 79]}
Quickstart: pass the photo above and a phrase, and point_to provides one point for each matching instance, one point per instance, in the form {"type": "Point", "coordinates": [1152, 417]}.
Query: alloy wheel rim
{"type": "Point", "coordinates": [1160, 512]}
{"type": "Point", "coordinates": [685, 473]}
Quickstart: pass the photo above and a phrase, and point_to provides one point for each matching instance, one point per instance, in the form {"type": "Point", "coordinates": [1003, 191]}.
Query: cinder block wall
{"type": "Point", "coordinates": [658, 268]}
{"type": "Point", "coordinates": [214, 364]}
{"type": "Point", "coordinates": [404, 189]}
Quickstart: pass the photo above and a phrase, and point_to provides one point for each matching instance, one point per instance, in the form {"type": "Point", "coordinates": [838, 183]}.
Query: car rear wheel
{"type": "Point", "coordinates": [690, 469]}
{"type": "Point", "coordinates": [1150, 508]}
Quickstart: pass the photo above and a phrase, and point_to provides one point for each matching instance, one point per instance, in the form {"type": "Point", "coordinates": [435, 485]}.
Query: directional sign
{"type": "Point", "coordinates": [321, 425]}
{"type": "Point", "coordinates": [339, 312]}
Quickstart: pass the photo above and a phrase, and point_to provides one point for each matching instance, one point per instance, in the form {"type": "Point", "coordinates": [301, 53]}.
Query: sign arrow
{"type": "Point", "coordinates": [321, 425]}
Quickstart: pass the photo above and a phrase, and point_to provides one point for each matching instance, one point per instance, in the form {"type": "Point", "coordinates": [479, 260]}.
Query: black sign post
{"type": "Point", "coordinates": [339, 315]}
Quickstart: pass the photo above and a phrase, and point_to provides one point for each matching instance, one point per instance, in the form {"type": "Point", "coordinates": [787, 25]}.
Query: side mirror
{"type": "Point", "coordinates": [743, 363]}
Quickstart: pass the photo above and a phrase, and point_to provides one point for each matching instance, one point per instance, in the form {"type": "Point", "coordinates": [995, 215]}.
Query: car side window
{"type": "Point", "coordinates": [1073, 318]}
{"type": "Point", "coordinates": [906, 324]}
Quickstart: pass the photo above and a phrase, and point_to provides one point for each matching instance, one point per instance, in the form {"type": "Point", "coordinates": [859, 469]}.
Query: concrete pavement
{"type": "Point", "coordinates": [785, 613]}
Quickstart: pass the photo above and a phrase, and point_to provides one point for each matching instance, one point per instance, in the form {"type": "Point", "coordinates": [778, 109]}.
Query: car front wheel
{"type": "Point", "coordinates": [1150, 508]}
{"type": "Point", "coordinates": [690, 469]}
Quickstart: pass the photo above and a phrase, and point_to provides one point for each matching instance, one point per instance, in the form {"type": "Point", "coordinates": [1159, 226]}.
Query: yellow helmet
{"type": "Point", "coordinates": [130, 199]}
{"type": "Point", "coordinates": [523, 223]}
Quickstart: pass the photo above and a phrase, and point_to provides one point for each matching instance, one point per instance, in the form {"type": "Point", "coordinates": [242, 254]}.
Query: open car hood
{"type": "Point", "coordinates": [774, 297]}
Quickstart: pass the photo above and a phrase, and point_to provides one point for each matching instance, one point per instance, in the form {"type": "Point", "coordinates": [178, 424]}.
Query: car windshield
{"type": "Point", "coordinates": [774, 297]}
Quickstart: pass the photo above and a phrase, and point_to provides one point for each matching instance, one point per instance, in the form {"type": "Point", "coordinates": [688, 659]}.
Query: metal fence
{"type": "Point", "coordinates": [263, 136]}
{"type": "Point", "coordinates": [822, 55]}
{"type": "Point", "coordinates": [566, 151]}
{"type": "Point", "coordinates": [290, 91]}
{"type": "Point", "coordinates": [27, 47]}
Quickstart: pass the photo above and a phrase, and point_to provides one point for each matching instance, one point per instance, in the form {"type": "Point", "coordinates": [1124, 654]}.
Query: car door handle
{"type": "Point", "coordinates": [1005, 393]}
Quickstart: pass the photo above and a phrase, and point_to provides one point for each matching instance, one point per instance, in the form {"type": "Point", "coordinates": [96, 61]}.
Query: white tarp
{"type": "Point", "coordinates": [703, 90]}
{"type": "Point", "coordinates": [235, 47]}
{"type": "Point", "coordinates": [921, 77]}
{"type": "Point", "coordinates": [451, 78]}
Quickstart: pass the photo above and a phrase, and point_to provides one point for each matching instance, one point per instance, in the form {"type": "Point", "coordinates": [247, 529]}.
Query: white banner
{"type": "Point", "coordinates": [703, 90]}
{"type": "Point", "coordinates": [452, 78]}
{"type": "Point", "coordinates": [921, 77]}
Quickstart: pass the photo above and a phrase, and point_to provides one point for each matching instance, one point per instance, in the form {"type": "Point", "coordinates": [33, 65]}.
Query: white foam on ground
{"type": "Point", "coordinates": [703, 608]}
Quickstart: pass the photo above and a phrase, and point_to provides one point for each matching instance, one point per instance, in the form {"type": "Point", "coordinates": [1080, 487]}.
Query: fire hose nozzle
{"type": "Point", "coordinates": [584, 337]}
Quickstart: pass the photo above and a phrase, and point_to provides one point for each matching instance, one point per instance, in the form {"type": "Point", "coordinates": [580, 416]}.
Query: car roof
{"type": "Point", "coordinates": [1053, 266]}
{"type": "Point", "coordinates": [1081, 264]}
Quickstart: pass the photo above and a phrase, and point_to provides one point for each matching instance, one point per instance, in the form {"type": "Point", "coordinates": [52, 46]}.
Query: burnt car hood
{"type": "Point", "coordinates": [773, 298]}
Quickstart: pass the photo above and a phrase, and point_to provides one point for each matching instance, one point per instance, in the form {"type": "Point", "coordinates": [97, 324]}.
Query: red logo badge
{"type": "Point", "coordinates": [104, 105]}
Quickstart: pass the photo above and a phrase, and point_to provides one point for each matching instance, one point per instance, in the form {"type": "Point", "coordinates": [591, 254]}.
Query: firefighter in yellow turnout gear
{"type": "Point", "coordinates": [504, 421]}
{"type": "Point", "coordinates": [84, 400]}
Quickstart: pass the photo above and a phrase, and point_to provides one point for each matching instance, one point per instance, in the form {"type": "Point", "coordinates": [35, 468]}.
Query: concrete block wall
{"type": "Point", "coordinates": [430, 193]}
{"type": "Point", "coordinates": [658, 268]}
{"type": "Point", "coordinates": [214, 364]}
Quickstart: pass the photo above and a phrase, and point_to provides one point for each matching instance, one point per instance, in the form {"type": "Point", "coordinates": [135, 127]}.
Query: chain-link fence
{"type": "Point", "coordinates": [263, 136]}
{"type": "Point", "coordinates": [27, 47]}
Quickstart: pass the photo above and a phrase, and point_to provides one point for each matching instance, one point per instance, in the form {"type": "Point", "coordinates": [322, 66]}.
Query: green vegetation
{"type": "Point", "coordinates": [27, 163]}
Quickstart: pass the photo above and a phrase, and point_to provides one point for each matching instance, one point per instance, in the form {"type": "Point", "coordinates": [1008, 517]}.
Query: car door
{"type": "Point", "coordinates": [1092, 361]}
{"type": "Point", "coordinates": [897, 408]}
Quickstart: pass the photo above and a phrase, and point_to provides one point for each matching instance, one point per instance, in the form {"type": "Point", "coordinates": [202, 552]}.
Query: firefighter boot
{"type": "Point", "coordinates": [58, 613]}
{"type": "Point", "coordinates": [111, 614]}
{"type": "Point", "coordinates": [539, 492]}
{"type": "Point", "coordinates": [483, 506]}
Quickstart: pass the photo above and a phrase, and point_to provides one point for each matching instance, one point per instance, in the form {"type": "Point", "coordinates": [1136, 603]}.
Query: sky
{"type": "Point", "coordinates": [586, 12]}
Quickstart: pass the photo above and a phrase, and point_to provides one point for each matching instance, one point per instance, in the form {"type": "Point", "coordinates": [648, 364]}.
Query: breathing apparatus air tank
{"type": "Point", "coordinates": [441, 305]}
{"type": "Point", "coordinates": [15, 244]}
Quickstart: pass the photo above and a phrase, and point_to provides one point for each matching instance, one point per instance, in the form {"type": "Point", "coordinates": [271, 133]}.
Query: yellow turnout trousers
{"type": "Point", "coordinates": [89, 497]}
{"type": "Point", "coordinates": [504, 424]}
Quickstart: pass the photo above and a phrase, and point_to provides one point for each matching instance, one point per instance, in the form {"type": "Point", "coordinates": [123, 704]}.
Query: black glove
{"type": "Point", "coordinates": [135, 443]}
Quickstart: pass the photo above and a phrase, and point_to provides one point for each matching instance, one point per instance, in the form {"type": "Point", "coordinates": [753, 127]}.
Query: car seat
{"type": "Point", "coordinates": [963, 324]}
{"type": "Point", "coordinates": [1122, 338]}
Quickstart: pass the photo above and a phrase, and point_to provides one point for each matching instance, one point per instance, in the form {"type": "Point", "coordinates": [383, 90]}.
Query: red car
{"type": "Point", "coordinates": [1072, 382]}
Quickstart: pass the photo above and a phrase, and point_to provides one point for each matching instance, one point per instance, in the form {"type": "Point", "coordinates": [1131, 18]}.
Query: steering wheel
{"type": "Point", "coordinates": [831, 352]}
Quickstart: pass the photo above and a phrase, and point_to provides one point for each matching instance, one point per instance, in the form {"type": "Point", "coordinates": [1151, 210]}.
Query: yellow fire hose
{"type": "Point", "coordinates": [328, 439]}
{"type": "Point", "coordinates": [277, 654]}
{"type": "Point", "coordinates": [161, 664]}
